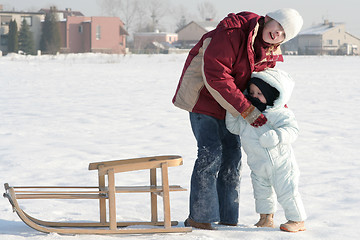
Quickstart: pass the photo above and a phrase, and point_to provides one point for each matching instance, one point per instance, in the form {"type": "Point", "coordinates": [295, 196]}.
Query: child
{"type": "Point", "coordinates": [274, 171]}
{"type": "Point", "coordinates": [215, 74]}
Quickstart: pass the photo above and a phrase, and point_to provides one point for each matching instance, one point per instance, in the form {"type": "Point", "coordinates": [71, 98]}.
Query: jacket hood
{"type": "Point", "coordinates": [240, 20]}
{"type": "Point", "coordinates": [280, 80]}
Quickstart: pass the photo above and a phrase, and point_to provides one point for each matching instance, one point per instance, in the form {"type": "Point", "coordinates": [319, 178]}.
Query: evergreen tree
{"type": "Point", "coordinates": [50, 38]}
{"type": "Point", "coordinates": [13, 44]}
{"type": "Point", "coordinates": [26, 41]}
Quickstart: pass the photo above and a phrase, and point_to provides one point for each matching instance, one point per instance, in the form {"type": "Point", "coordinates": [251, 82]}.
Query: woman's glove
{"type": "Point", "coordinates": [253, 116]}
{"type": "Point", "coordinates": [269, 139]}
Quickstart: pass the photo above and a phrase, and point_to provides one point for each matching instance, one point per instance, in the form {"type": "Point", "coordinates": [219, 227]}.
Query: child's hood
{"type": "Point", "coordinates": [280, 80]}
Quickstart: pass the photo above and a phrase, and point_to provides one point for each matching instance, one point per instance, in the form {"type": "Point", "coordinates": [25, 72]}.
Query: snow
{"type": "Point", "coordinates": [318, 29]}
{"type": "Point", "coordinates": [59, 113]}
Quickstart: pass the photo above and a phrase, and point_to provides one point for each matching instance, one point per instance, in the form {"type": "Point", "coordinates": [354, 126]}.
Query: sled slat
{"type": "Point", "coordinates": [139, 189]}
{"type": "Point", "coordinates": [57, 192]}
{"type": "Point", "coordinates": [59, 196]}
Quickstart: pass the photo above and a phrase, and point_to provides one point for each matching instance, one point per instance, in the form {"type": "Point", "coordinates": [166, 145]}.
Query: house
{"type": "Point", "coordinates": [327, 38]}
{"type": "Point", "coordinates": [81, 34]}
{"type": "Point", "coordinates": [153, 41]}
{"type": "Point", "coordinates": [33, 19]}
{"type": "Point", "coordinates": [78, 33]}
{"type": "Point", "coordinates": [190, 34]}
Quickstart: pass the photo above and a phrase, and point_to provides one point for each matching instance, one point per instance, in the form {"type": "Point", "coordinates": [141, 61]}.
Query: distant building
{"type": "Point", "coordinates": [153, 42]}
{"type": "Point", "coordinates": [327, 38]}
{"type": "Point", "coordinates": [190, 34]}
{"type": "Point", "coordinates": [93, 34]}
{"type": "Point", "coordinates": [33, 19]}
{"type": "Point", "coordinates": [79, 34]}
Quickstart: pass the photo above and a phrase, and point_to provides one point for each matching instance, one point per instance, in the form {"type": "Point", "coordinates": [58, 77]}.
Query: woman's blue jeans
{"type": "Point", "coordinates": [215, 181]}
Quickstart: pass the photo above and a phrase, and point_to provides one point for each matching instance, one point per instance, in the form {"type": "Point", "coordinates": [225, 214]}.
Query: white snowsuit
{"type": "Point", "coordinates": [274, 171]}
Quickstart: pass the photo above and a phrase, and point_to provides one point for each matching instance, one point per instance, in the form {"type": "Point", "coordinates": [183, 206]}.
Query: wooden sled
{"type": "Point", "coordinates": [105, 193]}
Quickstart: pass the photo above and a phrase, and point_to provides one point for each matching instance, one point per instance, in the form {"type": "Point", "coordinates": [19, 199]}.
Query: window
{"type": "Point", "coordinates": [329, 42]}
{"type": "Point", "coordinates": [28, 20]}
{"type": "Point", "coordinates": [81, 29]}
{"type": "Point", "coordinates": [5, 20]}
{"type": "Point", "coordinates": [4, 40]}
{"type": "Point", "coordinates": [98, 32]}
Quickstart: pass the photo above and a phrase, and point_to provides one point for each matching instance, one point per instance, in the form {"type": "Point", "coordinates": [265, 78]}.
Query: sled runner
{"type": "Point", "coordinates": [106, 193]}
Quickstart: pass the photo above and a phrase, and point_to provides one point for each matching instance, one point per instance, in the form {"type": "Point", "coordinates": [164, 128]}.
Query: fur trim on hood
{"type": "Point", "coordinates": [280, 80]}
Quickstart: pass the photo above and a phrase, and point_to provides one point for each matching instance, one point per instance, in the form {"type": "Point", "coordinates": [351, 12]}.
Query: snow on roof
{"type": "Point", "coordinates": [319, 29]}
{"type": "Point", "coordinates": [208, 25]}
{"type": "Point", "coordinates": [153, 33]}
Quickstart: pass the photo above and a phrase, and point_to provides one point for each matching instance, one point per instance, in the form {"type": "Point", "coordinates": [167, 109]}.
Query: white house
{"type": "Point", "coordinates": [33, 19]}
{"type": "Point", "coordinates": [327, 38]}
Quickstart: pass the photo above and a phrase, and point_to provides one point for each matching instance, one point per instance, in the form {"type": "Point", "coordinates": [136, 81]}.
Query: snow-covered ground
{"type": "Point", "coordinates": [59, 113]}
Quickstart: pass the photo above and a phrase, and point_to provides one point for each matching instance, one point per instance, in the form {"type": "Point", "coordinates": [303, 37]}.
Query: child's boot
{"type": "Point", "coordinates": [266, 220]}
{"type": "Point", "coordinates": [293, 226]}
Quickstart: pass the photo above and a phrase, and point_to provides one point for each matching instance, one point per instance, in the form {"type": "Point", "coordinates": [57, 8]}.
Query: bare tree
{"type": "Point", "coordinates": [124, 9]}
{"type": "Point", "coordinates": [157, 9]}
{"type": "Point", "coordinates": [206, 10]}
{"type": "Point", "coordinates": [180, 15]}
{"type": "Point", "coordinates": [138, 15]}
{"type": "Point", "coordinates": [110, 7]}
{"type": "Point", "coordinates": [128, 11]}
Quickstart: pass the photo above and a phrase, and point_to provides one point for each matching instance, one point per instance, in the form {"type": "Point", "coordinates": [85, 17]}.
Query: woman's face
{"type": "Point", "coordinates": [273, 33]}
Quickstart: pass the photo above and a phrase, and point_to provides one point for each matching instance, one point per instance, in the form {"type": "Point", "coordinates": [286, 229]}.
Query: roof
{"type": "Point", "coordinates": [352, 35]}
{"type": "Point", "coordinates": [153, 33]}
{"type": "Point", "coordinates": [206, 25]}
{"type": "Point", "coordinates": [17, 12]}
{"type": "Point", "coordinates": [123, 31]}
{"type": "Point", "coordinates": [67, 12]}
{"type": "Point", "coordinates": [320, 28]}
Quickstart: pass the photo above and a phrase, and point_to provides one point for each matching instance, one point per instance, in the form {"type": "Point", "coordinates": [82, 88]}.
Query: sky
{"type": "Point", "coordinates": [313, 12]}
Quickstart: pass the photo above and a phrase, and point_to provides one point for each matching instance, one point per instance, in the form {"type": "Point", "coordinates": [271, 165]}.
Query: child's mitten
{"type": "Point", "coordinates": [269, 139]}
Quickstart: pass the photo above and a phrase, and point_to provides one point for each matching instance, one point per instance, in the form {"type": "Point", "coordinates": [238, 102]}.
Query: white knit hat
{"type": "Point", "coordinates": [289, 19]}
